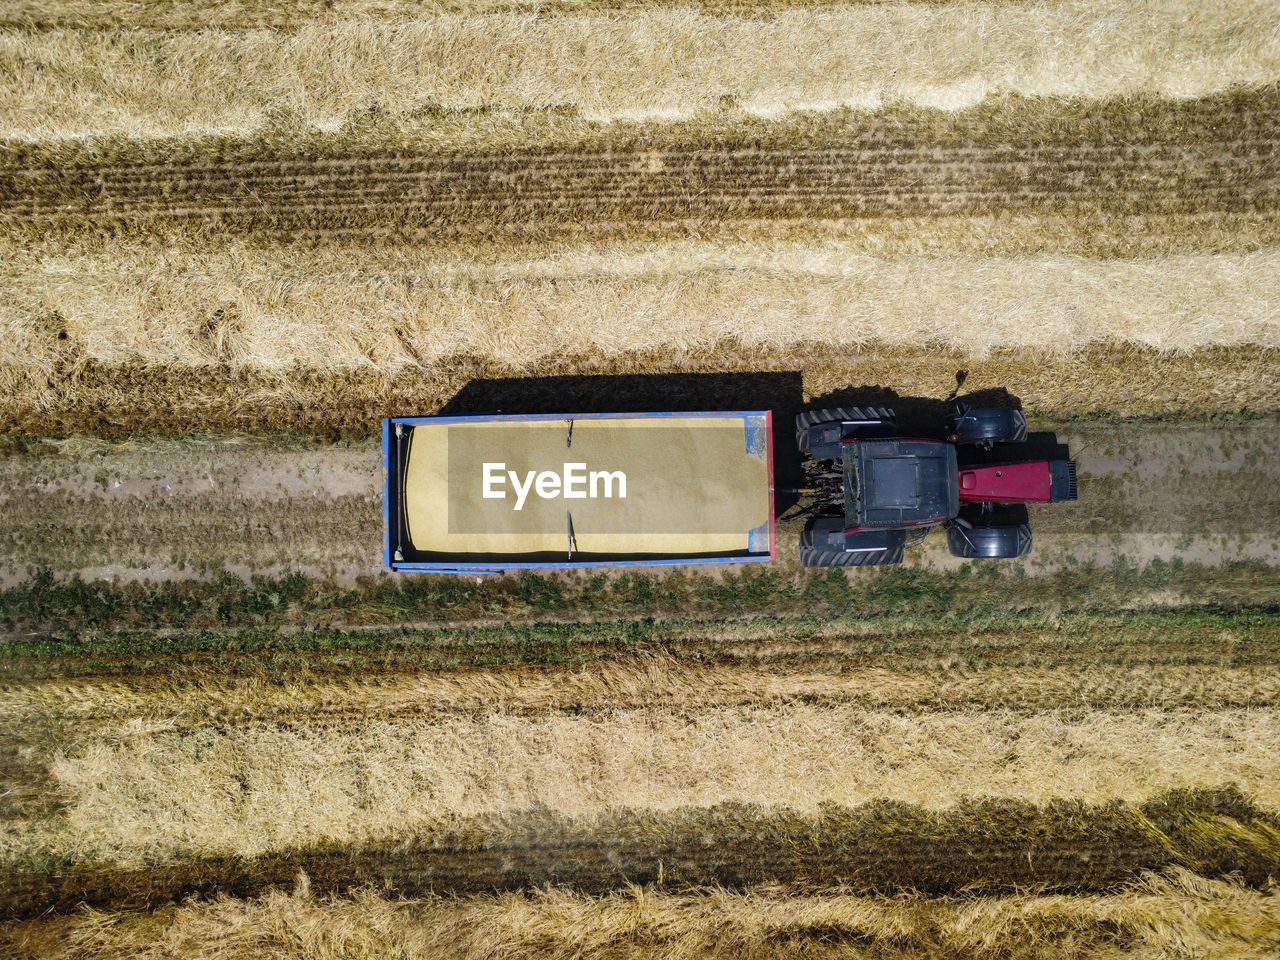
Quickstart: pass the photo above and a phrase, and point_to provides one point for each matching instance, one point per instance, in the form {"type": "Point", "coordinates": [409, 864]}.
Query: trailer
{"type": "Point", "coordinates": [489, 493]}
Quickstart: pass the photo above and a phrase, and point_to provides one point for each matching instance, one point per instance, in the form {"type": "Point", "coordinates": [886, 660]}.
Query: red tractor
{"type": "Point", "coordinates": [876, 491]}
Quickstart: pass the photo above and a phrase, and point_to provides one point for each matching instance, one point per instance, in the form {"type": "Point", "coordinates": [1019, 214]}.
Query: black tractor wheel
{"type": "Point", "coordinates": [810, 557]}
{"type": "Point", "coordinates": [821, 546]}
{"type": "Point", "coordinates": [809, 418]}
{"type": "Point", "coordinates": [987, 427]}
{"type": "Point", "coordinates": [1001, 534]}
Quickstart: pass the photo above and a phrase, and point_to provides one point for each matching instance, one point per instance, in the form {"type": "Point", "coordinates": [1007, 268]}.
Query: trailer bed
{"type": "Point", "coordinates": [488, 493]}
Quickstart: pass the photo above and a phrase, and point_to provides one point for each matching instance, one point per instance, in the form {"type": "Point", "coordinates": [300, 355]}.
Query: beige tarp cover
{"type": "Point", "coordinates": [694, 486]}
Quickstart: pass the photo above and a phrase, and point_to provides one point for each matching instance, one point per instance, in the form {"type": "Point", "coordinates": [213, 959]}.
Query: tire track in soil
{"type": "Point", "coordinates": [989, 846]}
{"type": "Point", "coordinates": [1195, 159]}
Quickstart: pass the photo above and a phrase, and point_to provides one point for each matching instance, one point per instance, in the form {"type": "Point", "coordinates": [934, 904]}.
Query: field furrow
{"type": "Point", "coordinates": [1139, 158]}
{"type": "Point", "coordinates": [1141, 676]}
{"type": "Point", "coordinates": [979, 847]}
{"type": "Point", "coordinates": [760, 185]}
{"type": "Point", "coordinates": [982, 636]}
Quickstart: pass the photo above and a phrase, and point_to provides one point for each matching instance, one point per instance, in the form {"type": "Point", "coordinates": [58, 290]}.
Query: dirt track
{"type": "Point", "coordinates": [172, 509]}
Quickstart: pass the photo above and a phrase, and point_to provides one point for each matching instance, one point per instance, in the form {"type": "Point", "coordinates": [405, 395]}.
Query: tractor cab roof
{"type": "Point", "coordinates": [899, 483]}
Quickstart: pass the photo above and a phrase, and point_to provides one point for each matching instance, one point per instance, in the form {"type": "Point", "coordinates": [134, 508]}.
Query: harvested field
{"type": "Point", "coordinates": [179, 15]}
{"type": "Point", "coordinates": [1167, 914]}
{"type": "Point", "coordinates": [333, 770]}
{"type": "Point", "coordinates": [149, 83]}
{"type": "Point", "coordinates": [327, 775]}
{"type": "Point", "coordinates": [794, 766]}
{"type": "Point", "coordinates": [348, 310]}
{"type": "Point", "coordinates": [150, 790]}
{"type": "Point", "coordinates": [233, 235]}
{"type": "Point", "coordinates": [1028, 215]}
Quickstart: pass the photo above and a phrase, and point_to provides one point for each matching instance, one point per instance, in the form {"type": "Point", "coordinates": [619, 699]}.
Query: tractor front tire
{"type": "Point", "coordinates": [1000, 534]}
{"type": "Point", "coordinates": [986, 427]}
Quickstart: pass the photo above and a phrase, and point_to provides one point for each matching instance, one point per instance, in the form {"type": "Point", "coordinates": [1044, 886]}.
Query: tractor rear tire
{"type": "Point", "coordinates": [808, 418]}
{"type": "Point", "coordinates": [811, 556]}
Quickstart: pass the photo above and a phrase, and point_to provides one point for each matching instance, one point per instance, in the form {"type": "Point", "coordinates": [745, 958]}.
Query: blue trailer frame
{"type": "Point", "coordinates": [391, 508]}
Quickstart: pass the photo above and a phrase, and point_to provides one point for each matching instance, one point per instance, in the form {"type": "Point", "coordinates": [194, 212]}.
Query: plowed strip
{"type": "Point", "coordinates": [1166, 159]}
